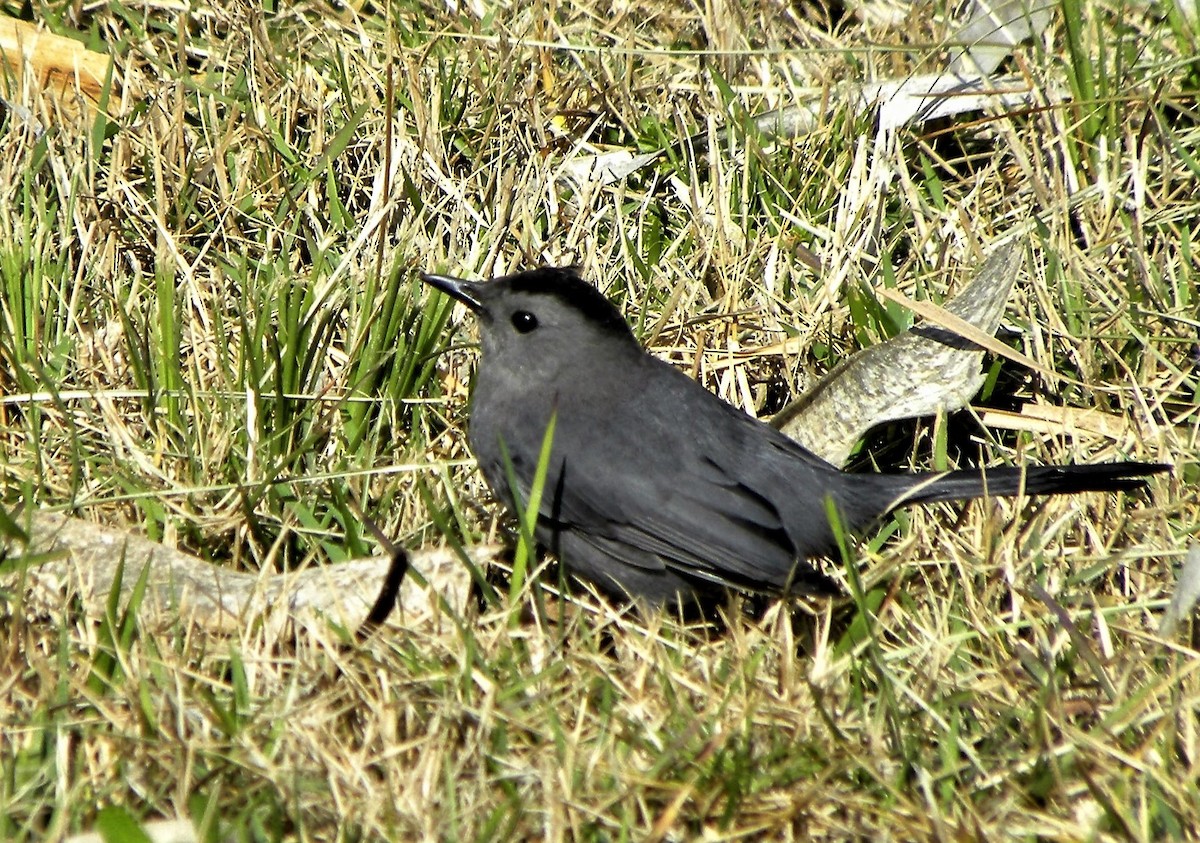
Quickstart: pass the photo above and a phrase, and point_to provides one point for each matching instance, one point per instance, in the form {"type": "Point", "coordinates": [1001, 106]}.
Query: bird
{"type": "Point", "coordinates": [658, 491]}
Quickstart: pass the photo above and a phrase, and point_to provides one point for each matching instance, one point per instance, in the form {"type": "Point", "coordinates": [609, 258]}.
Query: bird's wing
{"type": "Point", "coordinates": [712, 512]}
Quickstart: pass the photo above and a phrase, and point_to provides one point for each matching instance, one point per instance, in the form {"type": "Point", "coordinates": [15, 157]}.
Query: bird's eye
{"type": "Point", "coordinates": [524, 321]}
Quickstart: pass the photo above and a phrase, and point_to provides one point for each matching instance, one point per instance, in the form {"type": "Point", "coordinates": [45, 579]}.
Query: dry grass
{"type": "Point", "coordinates": [210, 331]}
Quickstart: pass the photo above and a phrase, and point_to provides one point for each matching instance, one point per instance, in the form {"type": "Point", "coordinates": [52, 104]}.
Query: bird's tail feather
{"type": "Point", "coordinates": [1031, 480]}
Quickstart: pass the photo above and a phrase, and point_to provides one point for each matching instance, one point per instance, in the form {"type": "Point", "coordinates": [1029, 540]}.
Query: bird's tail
{"type": "Point", "coordinates": [1030, 480]}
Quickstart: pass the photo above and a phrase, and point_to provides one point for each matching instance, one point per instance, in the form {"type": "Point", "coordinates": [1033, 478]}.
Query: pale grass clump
{"type": "Point", "coordinates": [211, 332]}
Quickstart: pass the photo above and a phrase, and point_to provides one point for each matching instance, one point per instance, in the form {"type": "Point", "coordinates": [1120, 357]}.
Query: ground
{"type": "Point", "coordinates": [212, 333]}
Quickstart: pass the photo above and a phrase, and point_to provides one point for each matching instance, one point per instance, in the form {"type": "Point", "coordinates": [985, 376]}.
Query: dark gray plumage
{"type": "Point", "coordinates": [657, 489]}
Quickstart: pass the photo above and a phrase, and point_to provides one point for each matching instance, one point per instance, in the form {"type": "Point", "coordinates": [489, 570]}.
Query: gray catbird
{"type": "Point", "coordinates": [656, 488]}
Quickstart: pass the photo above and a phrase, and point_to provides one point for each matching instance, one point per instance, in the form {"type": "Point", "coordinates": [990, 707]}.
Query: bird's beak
{"type": "Point", "coordinates": [466, 292]}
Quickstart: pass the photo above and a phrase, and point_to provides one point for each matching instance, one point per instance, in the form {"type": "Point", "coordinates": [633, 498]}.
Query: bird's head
{"type": "Point", "coordinates": [539, 320]}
